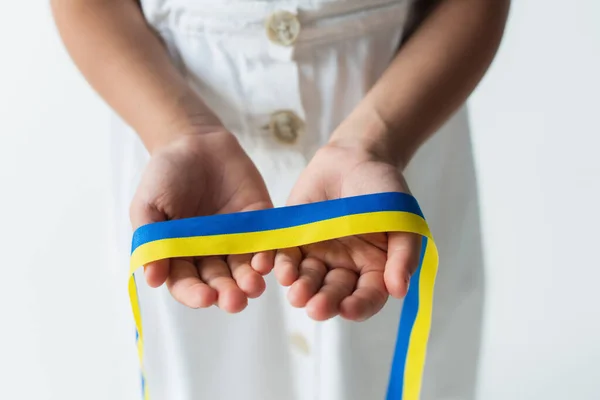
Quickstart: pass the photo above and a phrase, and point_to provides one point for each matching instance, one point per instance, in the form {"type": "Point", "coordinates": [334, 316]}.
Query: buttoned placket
{"type": "Point", "coordinates": [286, 126]}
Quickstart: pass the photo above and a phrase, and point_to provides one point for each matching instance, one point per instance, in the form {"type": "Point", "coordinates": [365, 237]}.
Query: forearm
{"type": "Point", "coordinates": [127, 64]}
{"type": "Point", "coordinates": [430, 78]}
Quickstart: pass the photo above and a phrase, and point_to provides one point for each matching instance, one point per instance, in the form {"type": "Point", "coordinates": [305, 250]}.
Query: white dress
{"type": "Point", "coordinates": [315, 59]}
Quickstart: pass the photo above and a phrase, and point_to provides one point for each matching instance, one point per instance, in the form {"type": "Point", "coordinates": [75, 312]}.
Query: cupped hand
{"type": "Point", "coordinates": [200, 175]}
{"type": "Point", "coordinates": [352, 276]}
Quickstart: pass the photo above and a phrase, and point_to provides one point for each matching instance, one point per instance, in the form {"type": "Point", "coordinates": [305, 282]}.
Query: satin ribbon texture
{"type": "Point", "coordinates": [278, 228]}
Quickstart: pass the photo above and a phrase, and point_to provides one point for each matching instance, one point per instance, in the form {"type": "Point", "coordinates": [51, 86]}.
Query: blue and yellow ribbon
{"type": "Point", "coordinates": [278, 228]}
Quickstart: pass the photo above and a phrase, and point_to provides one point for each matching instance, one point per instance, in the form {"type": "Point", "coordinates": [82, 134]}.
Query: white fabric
{"type": "Point", "coordinates": [272, 351]}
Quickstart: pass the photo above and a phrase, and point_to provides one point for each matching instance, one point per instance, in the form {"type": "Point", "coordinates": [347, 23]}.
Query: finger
{"type": "Point", "coordinates": [157, 272]}
{"type": "Point", "coordinates": [404, 250]}
{"type": "Point", "coordinates": [339, 283]}
{"type": "Point", "coordinates": [141, 213]}
{"type": "Point", "coordinates": [368, 298]}
{"type": "Point", "coordinates": [287, 262]}
{"type": "Point", "coordinates": [247, 279]}
{"type": "Point", "coordinates": [312, 273]}
{"type": "Point", "coordinates": [263, 262]}
{"type": "Point", "coordinates": [215, 272]}
{"type": "Point", "coordinates": [187, 288]}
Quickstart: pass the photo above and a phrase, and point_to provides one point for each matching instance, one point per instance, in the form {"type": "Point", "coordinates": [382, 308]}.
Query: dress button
{"type": "Point", "coordinates": [286, 126]}
{"type": "Point", "coordinates": [300, 343]}
{"type": "Point", "coordinates": [283, 28]}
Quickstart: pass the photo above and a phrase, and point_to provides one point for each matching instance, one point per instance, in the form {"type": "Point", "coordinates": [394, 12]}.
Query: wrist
{"type": "Point", "coordinates": [194, 140]}
{"type": "Point", "coordinates": [183, 131]}
{"type": "Point", "coordinates": [181, 114]}
{"type": "Point", "coordinates": [365, 130]}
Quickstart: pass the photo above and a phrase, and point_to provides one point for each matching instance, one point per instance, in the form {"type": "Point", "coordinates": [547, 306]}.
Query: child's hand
{"type": "Point", "coordinates": [351, 276]}
{"type": "Point", "coordinates": [195, 176]}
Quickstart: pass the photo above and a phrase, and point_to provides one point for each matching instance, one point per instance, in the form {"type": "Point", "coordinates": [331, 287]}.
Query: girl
{"type": "Point", "coordinates": [238, 105]}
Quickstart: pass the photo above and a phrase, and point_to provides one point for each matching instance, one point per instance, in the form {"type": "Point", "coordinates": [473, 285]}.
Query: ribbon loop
{"type": "Point", "coordinates": [277, 228]}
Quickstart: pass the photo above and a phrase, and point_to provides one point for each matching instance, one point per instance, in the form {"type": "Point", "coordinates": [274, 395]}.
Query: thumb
{"type": "Point", "coordinates": [142, 213]}
{"type": "Point", "coordinates": [404, 251]}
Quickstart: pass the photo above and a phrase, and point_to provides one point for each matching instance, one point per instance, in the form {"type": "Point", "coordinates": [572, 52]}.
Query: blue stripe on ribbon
{"type": "Point", "coordinates": [143, 386]}
{"type": "Point", "coordinates": [277, 218]}
{"type": "Point", "coordinates": [410, 309]}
